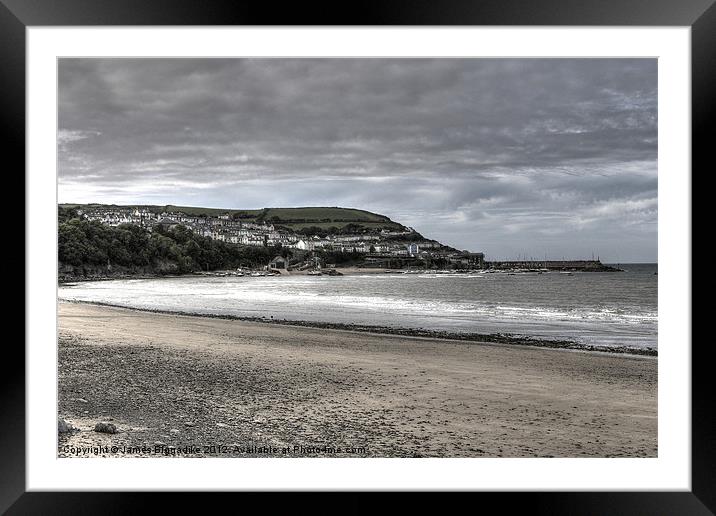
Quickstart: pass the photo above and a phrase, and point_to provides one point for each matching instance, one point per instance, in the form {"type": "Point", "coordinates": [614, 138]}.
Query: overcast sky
{"type": "Point", "coordinates": [535, 157]}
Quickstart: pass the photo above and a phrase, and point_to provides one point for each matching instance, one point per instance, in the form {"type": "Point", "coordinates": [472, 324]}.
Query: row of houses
{"type": "Point", "coordinates": [144, 217]}
{"type": "Point", "coordinates": [367, 244]}
{"type": "Point", "coordinates": [225, 228]}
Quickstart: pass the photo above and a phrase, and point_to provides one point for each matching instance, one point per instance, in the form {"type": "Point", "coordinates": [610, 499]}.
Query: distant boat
{"type": "Point", "coordinates": [314, 273]}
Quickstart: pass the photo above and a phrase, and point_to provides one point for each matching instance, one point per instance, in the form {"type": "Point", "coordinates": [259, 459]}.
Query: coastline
{"type": "Point", "coordinates": [174, 384]}
{"type": "Point", "coordinates": [64, 279]}
{"type": "Point", "coordinates": [474, 338]}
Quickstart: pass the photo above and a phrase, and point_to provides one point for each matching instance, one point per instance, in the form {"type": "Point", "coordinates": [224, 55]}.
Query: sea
{"type": "Point", "coordinates": [604, 309]}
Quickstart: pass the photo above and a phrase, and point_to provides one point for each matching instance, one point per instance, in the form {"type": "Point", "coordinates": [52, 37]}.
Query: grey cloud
{"type": "Point", "coordinates": [481, 153]}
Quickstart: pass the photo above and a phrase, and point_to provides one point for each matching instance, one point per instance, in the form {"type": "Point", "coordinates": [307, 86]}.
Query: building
{"type": "Point", "coordinates": [278, 263]}
{"type": "Point", "coordinates": [476, 260]}
{"type": "Point", "coordinates": [467, 259]}
{"type": "Point", "coordinates": [166, 223]}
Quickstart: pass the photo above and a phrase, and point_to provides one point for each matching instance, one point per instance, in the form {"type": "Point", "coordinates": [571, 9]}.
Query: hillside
{"type": "Point", "coordinates": [89, 249]}
{"type": "Point", "coordinates": [96, 240]}
{"type": "Point", "coordinates": [296, 219]}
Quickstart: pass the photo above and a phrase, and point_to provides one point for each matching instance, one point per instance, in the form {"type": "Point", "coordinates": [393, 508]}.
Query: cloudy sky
{"type": "Point", "coordinates": [512, 157]}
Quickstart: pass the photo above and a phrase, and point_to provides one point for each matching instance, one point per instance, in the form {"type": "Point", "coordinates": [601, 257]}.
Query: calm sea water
{"type": "Point", "coordinates": [603, 309]}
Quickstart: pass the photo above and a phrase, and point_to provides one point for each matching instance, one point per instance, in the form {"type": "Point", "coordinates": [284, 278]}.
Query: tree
{"type": "Point", "coordinates": [86, 245]}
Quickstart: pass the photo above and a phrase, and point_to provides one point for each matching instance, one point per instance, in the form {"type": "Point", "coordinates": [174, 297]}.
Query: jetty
{"type": "Point", "coordinates": [553, 265]}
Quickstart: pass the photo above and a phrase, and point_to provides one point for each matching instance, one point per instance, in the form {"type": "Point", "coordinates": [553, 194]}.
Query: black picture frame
{"type": "Point", "coordinates": [17, 15]}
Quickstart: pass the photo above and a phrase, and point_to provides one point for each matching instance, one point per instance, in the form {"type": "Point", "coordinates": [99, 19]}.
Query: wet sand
{"type": "Point", "coordinates": [197, 386]}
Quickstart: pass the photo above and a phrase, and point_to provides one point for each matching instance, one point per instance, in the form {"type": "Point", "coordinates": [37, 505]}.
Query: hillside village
{"type": "Point", "coordinates": [377, 244]}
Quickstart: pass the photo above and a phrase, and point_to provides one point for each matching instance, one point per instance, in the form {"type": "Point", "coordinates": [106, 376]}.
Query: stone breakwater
{"type": "Point", "coordinates": [554, 265]}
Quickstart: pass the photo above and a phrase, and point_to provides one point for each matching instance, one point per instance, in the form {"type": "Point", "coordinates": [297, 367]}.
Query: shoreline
{"type": "Point", "coordinates": [342, 271]}
{"type": "Point", "coordinates": [474, 338]}
{"type": "Point", "coordinates": [347, 271]}
{"type": "Point", "coordinates": [188, 386]}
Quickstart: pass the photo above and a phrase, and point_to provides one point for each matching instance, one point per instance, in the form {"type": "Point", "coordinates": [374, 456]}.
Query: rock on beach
{"type": "Point", "coordinates": [63, 427]}
{"type": "Point", "coordinates": [105, 428]}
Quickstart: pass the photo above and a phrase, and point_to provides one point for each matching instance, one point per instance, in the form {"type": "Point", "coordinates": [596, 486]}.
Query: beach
{"type": "Point", "coordinates": [177, 385]}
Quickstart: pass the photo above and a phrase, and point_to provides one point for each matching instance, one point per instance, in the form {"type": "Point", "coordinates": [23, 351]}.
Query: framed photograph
{"type": "Point", "coordinates": [414, 250]}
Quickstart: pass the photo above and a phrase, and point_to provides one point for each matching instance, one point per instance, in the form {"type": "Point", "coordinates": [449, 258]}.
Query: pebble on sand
{"type": "Point", "coordinates": [105, 428]}
{"type": "Point", "coordinates": [64, 427]}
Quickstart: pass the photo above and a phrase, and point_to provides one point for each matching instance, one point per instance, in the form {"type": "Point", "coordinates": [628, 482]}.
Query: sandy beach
{"type": "Point", "coordinates": [186, 385]}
